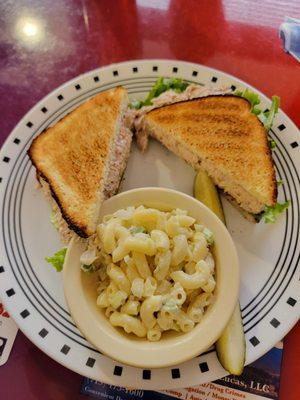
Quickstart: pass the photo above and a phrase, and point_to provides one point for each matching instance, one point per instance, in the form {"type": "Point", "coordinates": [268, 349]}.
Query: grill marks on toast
{"type": "Point", "coordinates": [221, 131]}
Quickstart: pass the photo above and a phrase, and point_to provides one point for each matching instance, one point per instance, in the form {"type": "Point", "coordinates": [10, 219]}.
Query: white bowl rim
{"type": "Point", "coordinates": [166, 352]}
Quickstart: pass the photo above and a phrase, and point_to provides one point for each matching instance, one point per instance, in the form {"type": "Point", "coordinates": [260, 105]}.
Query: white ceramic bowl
{"type": "Point", "coordinates": [173, 348]}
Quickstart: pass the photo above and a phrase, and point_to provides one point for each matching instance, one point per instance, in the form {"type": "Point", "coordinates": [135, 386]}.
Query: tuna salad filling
{"type": "Point", "coordinates": [57, 219]}
{"type": "Point", "coordinates": [118, 160]}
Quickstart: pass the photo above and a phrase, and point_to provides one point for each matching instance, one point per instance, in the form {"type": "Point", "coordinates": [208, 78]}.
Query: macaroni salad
{"type": "Point", "coordinates": [155, 268]}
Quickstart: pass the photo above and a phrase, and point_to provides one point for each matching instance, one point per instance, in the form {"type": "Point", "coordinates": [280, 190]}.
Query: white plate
{"type": "Point", "coordinates": [32, 291]}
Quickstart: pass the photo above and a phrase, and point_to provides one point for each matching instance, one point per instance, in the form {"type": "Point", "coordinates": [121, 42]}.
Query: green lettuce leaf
{"type": "Point", "coordinates": [271, 213]}
{"type": "Point", "coordinates": [57, 260]}
{"type": "Point", "coordinates": [272, 143]}
{"type": "Point", "coordinates": [137, 104]}
{"type": "Point", "coordinates": [266, 117]}
{"type": "Point", "coordinates": [161, 86]}
{"type": "Point", "coordinates": [253, 99]}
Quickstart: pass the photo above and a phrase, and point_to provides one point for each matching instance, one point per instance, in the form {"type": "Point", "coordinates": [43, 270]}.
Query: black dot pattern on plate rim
{"type": "Point", "coordinates": [147, 374]}
{"type": "Point", "coordinates": [29, 124]}
{"type": "Point", "coordinates": [233, 87]}
{"type": "Point", "coordinates": [115, 73]}
{"type": "Point", "coordinates": [43, 333]}
{"type": "Point", "coordinates": [195, 73]}
{"type": "Point", "coordinates": [175, 373]}
{"type": "Point", "coordinates": [203, 367]}
{"type": "Point", "coordinates": [6, 159]}
{"type": "Point", "coordinates": [214, 79]}
{"type": "Point", "coordinates": [274, 322]}
{"type": "Point", "coordinates": [77, 87]}
{"type": "Point", "coordinates": [281, 127]}
{"type": "Point", "coordinates": [17, 141]}
{"type": "Point", "coordinates": [135, 69]}
{"type": "Point", "coordinates": [254, 341]}
{"type": "Point", "coordinates": [10, 292]}
{"type": "Point", "coordinates": [96, 78]}
{"type": "Point", "coordinates": [25, 313]}
{"type": "Point", "coordinates": [65, 349]}
{"type": "Point", "coordinates": [118, 370]}
{"type": "Point", "coordinates": [294, 145]}
{"type": "Point", "coordinates": [155, 68]}
{"type": "Point", "coordinates": [60, 97]}
{"type": "Point", "coordinates": [291, 301]}
{"type": "Point", "coordinates": [1, 269]}
{"type": "Point", "coordinates": [175, 70]}
{"type": "Point", "coordinates": [90, 362]}
{"type": "Point", "coordinates": [44, 110]}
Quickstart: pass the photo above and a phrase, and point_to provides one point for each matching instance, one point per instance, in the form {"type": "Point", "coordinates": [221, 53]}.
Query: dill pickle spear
{"type": "Point", "coordinates": [206, 192]}
{"type": "Point", "coordinates": [231, 346]}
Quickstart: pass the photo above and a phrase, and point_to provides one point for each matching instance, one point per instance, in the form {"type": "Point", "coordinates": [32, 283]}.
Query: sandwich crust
{"type": "Point", "coordinates": [73, 157]}
{"type": "Point", "coordinates": [220, 133]}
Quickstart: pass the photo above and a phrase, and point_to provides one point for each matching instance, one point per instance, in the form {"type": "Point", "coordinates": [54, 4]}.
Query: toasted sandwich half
{"type": "Point", "coordinates": [220, 134]}
{"type": "Point", "coordinates": [79, 161]}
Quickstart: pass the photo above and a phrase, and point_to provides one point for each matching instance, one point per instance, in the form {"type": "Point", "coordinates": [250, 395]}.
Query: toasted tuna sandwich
{"type": "Point", "coordinates": [79, 161]}
{"type": "Point", "coordinates": [220, 133]}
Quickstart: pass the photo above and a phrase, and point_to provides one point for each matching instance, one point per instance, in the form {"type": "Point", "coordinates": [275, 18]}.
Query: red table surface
{"type": "Point", "coordinates": [75, 36]}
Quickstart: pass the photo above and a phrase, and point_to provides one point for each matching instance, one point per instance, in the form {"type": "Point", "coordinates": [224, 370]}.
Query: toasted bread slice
{"type": "Point", "coordinates": [78, 158]}
{"type": "Point", "coordinates": [221, 134]}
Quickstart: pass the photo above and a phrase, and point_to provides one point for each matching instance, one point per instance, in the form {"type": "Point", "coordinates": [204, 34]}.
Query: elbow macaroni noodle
{"type": "Point", "coordinates": [156, 271]}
